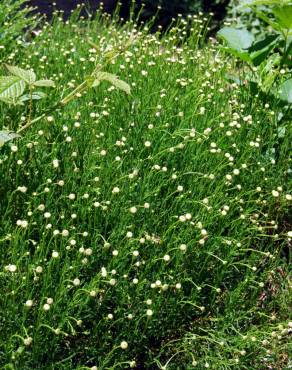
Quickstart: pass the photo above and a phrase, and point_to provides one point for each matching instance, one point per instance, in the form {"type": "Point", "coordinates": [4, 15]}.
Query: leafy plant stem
{"type": "Point", "coordinates": [31, 122]}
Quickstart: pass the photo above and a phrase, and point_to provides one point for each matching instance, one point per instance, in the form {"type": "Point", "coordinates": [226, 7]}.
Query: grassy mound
{"type": "Point", "coordinates": [148, 231]}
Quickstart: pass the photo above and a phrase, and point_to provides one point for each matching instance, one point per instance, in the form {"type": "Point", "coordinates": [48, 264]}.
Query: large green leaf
{"type": "Point", "coordinates": [261, 49]}
{"type": "Point", "coordinates": [285, 91]}
{"type": "Point", "coordinates": [283, 15]}
{"type": "Point", "coordinates": [7, 136]}
{"type": "Point", "coordinates": [26, 75]}
{"type": "Point", "coordinates": [243, 55]}
{"type": "Point", "coordinates": [113, 79]}
{"type": "Point", "coordinates": [11, 87]}
{"type": "Point", "coordinates": [7, 100]}
{"type": "Point", "coordinates": [236, 39]}
{"type": "Point", "coordinates": [11, 101]}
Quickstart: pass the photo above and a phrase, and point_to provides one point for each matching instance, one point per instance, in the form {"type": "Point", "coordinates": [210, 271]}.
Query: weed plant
{"type": "Point", "coordinates": [148, 231]}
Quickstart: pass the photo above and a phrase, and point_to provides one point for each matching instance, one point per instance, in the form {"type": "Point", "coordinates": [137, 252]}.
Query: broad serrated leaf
{"type": "Point", "coordinates": [45, 83]}
{"type": "Point", "coordinates": [36, 95]}
{"type": "Point", "coordinates": [11, 87]}
{"type": "Point", "coordinates": [26, 75]}
{"type": "Point", "coordinates": [285, 91]}
{"type": "Point", "coordinates": [7, 100]}
{"type": "Point", "coordinates": [6, 136]}
{"type": "Point", "coordinates": [236, 39]}
{"type": "Point", "coordinates": [12, 101]}
{"type": "Point", "coordinates": [113, 79]}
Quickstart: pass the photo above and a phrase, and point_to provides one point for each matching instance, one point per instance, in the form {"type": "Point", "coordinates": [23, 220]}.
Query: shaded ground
{"type": "Point", "coordinates": [164, 19]}
{"type": "Point", "coordinates": [47, 7]}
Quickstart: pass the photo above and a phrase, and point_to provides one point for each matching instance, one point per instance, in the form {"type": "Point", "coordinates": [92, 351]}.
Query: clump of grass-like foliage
{"type": "Point", "coordinates": [149, 230]}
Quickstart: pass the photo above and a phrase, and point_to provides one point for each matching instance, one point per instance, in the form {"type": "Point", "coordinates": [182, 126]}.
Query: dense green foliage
{"type": "Point", "coordinates": [269, 53]}
{"type": "Point", "coordinates": [14, 21]}
{"type": "Point", "coordinates": [149, 230]}
{"type": "Point", "coordinates": [241, 16]}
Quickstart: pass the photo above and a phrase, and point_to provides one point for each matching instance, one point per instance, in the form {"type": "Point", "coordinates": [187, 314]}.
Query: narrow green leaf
{"type": "Point", "coordinates": [11, 87]}
{"type": "Point", "coordinates": [6, 136]}
{"type": "Point", "coordinates": [26, 75]}
{"type": "Point", "coordinates": [45, 83]}
{"type": "Point", "coordinates": [36, 95]}
{"type": "Point", "coordinates": [95, 46]}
